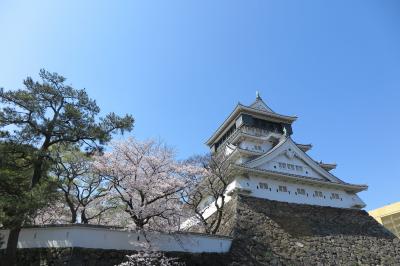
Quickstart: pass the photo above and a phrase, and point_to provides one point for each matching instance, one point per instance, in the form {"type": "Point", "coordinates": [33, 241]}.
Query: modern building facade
{"type": "Point", "coordinates": [273, 166]}
{"type": "Point", "coordinates": [389, 217]}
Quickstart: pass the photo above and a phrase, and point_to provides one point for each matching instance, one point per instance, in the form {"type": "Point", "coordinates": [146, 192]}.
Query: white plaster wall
{"type": "Point", "coordinates": [347, 200]}
{"type": "Point", "coordinates": [273, 165]}
{"type": "Point", "coordinates": [101, 238]}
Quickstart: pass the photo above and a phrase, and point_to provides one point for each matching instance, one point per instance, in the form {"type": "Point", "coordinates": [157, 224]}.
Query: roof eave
{"type": "Point", "coordinates": [328, 166]}
{"type": "Point", "coordinates": [304, 147]}
{"type": "Point", "coordinates": [349, 187]}
{"type": "Point", "coordinates": [222, 126]}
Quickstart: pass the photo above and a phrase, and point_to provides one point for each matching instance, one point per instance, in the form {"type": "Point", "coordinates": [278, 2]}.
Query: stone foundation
{"type": "Point", "coordinates": [98, 257]}
{"type": "Point", "coordinates": [276, 233]}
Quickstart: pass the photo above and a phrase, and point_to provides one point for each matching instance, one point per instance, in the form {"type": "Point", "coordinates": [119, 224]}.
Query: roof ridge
{"type": "Point", "coordinates": [259, 104]}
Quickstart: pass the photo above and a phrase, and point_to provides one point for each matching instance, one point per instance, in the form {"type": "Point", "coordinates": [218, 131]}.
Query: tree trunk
{"type": "Point", "coordinates": [139, 223]}
{"type": "Point", "coordinates": [220, 210]}
{"type": "Point", "coordinates": [37, 171]}
{"type": "Point", "coordinates": [71, 208]}
{"type": "Point", "coordinates": [12, 245]}
{"type": "Point", "coordinates": [84, 219]}
{"type": "Point", "coordinates": [73, 217]}
{"type": "Point", "coordinates": [38, 164]}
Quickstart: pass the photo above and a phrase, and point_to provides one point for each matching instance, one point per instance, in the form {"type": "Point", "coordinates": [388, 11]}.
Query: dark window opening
{"type": "Point", "coordinates": [225, 136]}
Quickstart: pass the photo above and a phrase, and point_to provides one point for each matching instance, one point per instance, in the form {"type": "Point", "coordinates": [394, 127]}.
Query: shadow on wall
{"type": "Point", "coordinates": [1, 240]}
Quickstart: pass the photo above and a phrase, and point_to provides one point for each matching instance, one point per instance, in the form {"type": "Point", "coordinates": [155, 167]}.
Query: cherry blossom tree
{"type": "Point", "coordinates": [116, 217]}
{"type": "Point", "coordinates": [147, 258]}
{"type": "Point", "coordinates": [147, 180]}
{"type": "Point", "coordinates": [55, 213]}
{"type": "Point", "coordinates": [85, 192]}
{"type": "Point", "coordinates": [206, 194]}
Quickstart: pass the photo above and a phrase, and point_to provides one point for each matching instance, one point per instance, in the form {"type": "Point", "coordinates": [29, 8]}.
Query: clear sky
{"type": "Point", "coordinates": [180, 67]}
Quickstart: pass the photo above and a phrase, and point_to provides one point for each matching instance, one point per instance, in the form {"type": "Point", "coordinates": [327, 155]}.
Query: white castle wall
{"type": "Point", "coordinates": [252, 184]}
{"type": "Point", "coordinates": [104, 238]}
{"type": "Point", "coordinates": [346, 200]}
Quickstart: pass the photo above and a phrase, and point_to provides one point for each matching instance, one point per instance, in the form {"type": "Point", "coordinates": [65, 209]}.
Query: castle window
{"type": "Point", "coordinates": [257, 147]}
{"type": "Point", "coordinates": [335, 196]}
{"type": "Point", "coordinates": [318, 194]}
{"type": "Point", "coordinates": [263, 185]}
{"type": "Point", "coordinates": [290, 166]}
{"type": "Point", "coordinates": [301, 191]}
{"type": "Point", "coordinates": [282, 188]}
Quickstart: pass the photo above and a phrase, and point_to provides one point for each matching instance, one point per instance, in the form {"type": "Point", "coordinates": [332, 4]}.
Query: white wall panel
{"type": "Point", "coordinates": [103, 238]}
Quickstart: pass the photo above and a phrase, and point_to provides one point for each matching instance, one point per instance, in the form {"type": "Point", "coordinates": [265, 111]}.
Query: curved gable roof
{"type": "Point", "coordinates": [285, 144]}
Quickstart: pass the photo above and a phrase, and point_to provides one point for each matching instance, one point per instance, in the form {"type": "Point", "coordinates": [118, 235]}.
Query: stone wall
{"type": "Point", "coordinates": [98, 257]}
{"type": "Point", "coordinates": [277, 233]}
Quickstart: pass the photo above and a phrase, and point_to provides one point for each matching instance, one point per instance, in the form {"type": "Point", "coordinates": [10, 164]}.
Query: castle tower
{"type": "Point", "coordinates": [273, 166]}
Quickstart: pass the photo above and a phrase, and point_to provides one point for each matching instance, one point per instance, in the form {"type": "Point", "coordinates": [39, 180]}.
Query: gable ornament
{"type": "Point", "coordinates": [290, 154]}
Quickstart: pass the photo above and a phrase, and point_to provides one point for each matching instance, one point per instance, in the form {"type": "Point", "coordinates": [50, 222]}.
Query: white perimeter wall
{"type": "Point", "coordinates": [102, 238]}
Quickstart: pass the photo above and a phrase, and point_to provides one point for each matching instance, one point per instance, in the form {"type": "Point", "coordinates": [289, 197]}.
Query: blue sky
{"type": "Point", "coordinates": [180, 67]}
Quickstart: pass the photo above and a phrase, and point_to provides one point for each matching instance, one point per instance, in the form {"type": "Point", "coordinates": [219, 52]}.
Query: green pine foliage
{"type": "Point", "coordinates": [18, 202]}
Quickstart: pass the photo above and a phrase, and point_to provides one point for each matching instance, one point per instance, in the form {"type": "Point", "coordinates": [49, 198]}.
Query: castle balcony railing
{"type": "Point", "coordinates": [255, 131]}
{"type": "Point", "coordinates": [256, 134]}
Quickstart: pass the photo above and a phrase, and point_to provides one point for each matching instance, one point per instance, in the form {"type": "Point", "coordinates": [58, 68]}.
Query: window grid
{"type": "Point", "coordinates": [301, 191]}
{"type": "Point", "coordinates": [282, 188]}
{"type": "Point", "coordinates": [318, 194]}
{"type": "Point", "coordinates": [289, 166]}
{"type": "Point", "coordinates": [335, 196]}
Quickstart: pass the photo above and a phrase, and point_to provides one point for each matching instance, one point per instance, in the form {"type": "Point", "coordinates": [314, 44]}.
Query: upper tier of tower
{"type": "Point", "coordinates": [256, 120]}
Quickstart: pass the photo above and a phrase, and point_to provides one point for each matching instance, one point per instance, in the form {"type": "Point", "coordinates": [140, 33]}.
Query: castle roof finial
{"type": "Point", "coordinates": [258, 97]}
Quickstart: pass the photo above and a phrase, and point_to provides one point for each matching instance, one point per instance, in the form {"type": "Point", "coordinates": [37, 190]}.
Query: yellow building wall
{"type": "Point", "coordinates": [389, 217]}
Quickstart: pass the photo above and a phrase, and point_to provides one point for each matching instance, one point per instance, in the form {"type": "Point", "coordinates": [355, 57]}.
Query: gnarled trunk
{"type": "Point", "coordinates": [38, 164]}
{"type": "Point", "coordinates": [37, 172]}
{"type": "Point", "coordinates": [84, 219]}
{"type": "Point", "coordinates": [12, 245]}
{"type": "Point", "coordinates": [72, 208]}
